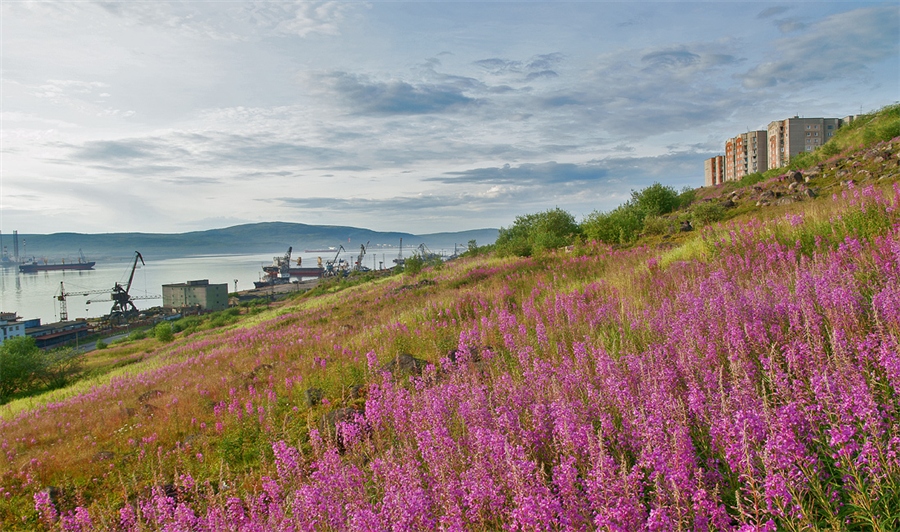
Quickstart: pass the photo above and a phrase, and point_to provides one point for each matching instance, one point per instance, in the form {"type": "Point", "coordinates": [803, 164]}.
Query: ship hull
{"type": "Point", "coordinates": [306, 272]}
{"type": "Point", "coordinates": [33, 268]}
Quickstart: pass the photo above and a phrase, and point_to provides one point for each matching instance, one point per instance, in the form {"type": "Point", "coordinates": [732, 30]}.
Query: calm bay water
{"type": "Point", "coordinates": [33, 295]}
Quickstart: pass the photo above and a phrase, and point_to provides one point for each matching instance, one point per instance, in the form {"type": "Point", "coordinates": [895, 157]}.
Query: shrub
{"type": "Point", "coordinates": [707, 212]}
{"type": "Point", "coordinates": [656, 199]}
{"type": "Point", "coordinates": [413, 265]}
{"type": "Point", "coordinates": [101, 344]}
{"type": "Point", "coordinates": [20, 365]}
{"type": "Point", "coordinates": [619, 226]}
{"type": "Point", "coordinates": [25, 367]}
{"type": "Point", "coordinates": [163, 332]}
{"type": "Point", "coordinates": [657, 225]}
{"type": "Point", "coordinates": [534, 233]}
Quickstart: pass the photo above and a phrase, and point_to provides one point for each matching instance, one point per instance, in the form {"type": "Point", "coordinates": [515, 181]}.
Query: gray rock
{"type": "Point", "coordinates": [404, 363]}
{"type": "Point", "coordinates": [103, 456]}
{"type": "Point", "coordinates": [798, 177]}
{"type": "Point", "coordinates": [313, 396]}
{"type": "Point", "coordinates": [149, 395]}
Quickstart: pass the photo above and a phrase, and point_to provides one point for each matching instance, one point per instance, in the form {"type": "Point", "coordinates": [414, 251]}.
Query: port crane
{"type": "Point", "coordinates": [123, 302]}
{"type": "Point", "coordinates": [331, 267]}
{"type": "Point", "coordinates": [358, 267]}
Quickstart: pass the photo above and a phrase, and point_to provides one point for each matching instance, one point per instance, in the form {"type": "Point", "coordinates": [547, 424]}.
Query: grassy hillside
{"type": "Point", "coordinates": [740, 377]}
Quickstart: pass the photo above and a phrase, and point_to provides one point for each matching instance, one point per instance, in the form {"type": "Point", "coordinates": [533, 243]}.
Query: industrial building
{"type": "Point", "coordinates": [54, 334]}
{"type": "Point", "coordinates": [10, 326]}
{"type": "Point", "coordinates": [198, 295]}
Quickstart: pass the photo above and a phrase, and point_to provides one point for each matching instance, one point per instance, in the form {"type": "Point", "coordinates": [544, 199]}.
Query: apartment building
{"type": "Point", "coordinates": [745, 154]}
{"type": "Point", "coordinates": [714, 171]}
{"type": "Point", "coordinates": [789, 137]}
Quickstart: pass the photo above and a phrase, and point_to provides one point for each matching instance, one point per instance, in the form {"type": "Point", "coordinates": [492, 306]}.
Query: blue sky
{"type": "Point", "coordinates": [406, 116]}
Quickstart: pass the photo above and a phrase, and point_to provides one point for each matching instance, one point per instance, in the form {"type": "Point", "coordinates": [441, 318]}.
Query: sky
{"type": "Point", "coordinates": [420, 117]}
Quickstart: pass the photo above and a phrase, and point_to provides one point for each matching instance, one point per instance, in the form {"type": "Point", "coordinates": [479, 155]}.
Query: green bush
{"type": "Point", "coordinates": [657, 225]}
{"type": "Point", "coordinates": [20, 365]}
{"type": "Point", "coordinates": [707, 212]}
{"type": "Point", "coordinates": [413, 265]}
{"type": "Point", "coordinates": [101, 344]}
{"type": "Point", "coordinates": [163, 332]}
{"type": "Point", "coordinates": [25, 367]}
{"type": "Point", "coordinates": [534, 233]}
{"type": "Point", "coordinates": [656, 200]}
{"type": "Point", "coordinates": [622, 225]}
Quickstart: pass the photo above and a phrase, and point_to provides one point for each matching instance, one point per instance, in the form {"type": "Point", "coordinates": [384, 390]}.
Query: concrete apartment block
{"type": "Point", "coordinates": [745, 154]}
{"type": "Point", "coordinates": [714, 170]}
{"type": "Point", "coordinates": [196, 294]}
{"type": "Point", "coordinates": [792, 136]}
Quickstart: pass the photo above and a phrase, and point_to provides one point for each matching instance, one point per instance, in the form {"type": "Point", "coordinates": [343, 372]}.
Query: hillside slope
{"type": "Point", "coordinates": [743, 377]}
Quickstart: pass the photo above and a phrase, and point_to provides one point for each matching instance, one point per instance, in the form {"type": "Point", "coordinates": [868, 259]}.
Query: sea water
{"type": "Point", "coordinates": [35, 295]}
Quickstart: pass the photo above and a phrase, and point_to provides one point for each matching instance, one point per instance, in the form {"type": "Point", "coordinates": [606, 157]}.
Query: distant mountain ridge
{"type": "Point", "coordinates": [264, 237]}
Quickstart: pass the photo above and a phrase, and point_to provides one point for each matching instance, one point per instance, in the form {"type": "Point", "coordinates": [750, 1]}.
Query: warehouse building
{"type": "Point", "coordinates": [198, 295]}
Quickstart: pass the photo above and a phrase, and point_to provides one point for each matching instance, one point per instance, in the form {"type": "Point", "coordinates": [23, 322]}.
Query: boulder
{"type": "Point", "coordinates": [404, 363]}
{"type": "Point", "coordinates": [313, 396]}
{"type": "Point", "coordinates": [798, 177]}
{"type": "Point", "coordinates": [149, 395]}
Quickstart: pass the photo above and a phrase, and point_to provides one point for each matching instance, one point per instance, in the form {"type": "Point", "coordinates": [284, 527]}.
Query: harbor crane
{"type": "Point", "coordinates": [332, 267]}
{"type": "Point", "coordinates": [358, 266]}
{"type": "Point", "coordinates": [123, 302]}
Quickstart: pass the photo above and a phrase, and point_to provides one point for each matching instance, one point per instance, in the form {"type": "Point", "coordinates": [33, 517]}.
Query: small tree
{"type": "Point", "coordinates": [21, 365]}
{"type": "Point", "coordinates": [655, 200]}
{"type": "Point", "coordinates": [163, 332]}
{"type": "Point", "coordinates": [413, 265]}
{"type": "Point", "coordinates": [533, 233]}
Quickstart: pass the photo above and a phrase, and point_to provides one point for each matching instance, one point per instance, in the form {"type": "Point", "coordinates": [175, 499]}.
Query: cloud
{"type": "Point", "coordinates": [772, 11]}
{"type": "Point", "coordinates": [537, 67]}
{"type": "Point", "coordinates": [201, 152]}
{"type": "Point", "coordinates": [525, 174]}
{"type": "Point", "coordinates": [396, 96]}
{"type": "Point", "coordinates": [671, 58]}
{"type": "Point", "coordinates": [226, 21]}
{"type": "Point", "coordinates": [425, 202]}
{"type": "Point", "coordinates": [790, 25]}
{"type": "Point", "coordinates": [299, 18]}
{"type": "Point", "coordinates": [841, 46]}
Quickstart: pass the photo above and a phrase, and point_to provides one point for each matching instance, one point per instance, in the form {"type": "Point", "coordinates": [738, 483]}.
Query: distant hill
{"type": "Point", "coordinates": [267, 237]}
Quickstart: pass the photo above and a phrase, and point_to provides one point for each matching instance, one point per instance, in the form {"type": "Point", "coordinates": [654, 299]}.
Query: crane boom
{"type": "Point", "coordinates": [137, 255]}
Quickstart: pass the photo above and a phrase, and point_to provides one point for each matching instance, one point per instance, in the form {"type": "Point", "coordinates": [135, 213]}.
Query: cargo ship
{"type": "Point", "coordinates": [35, 266]}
